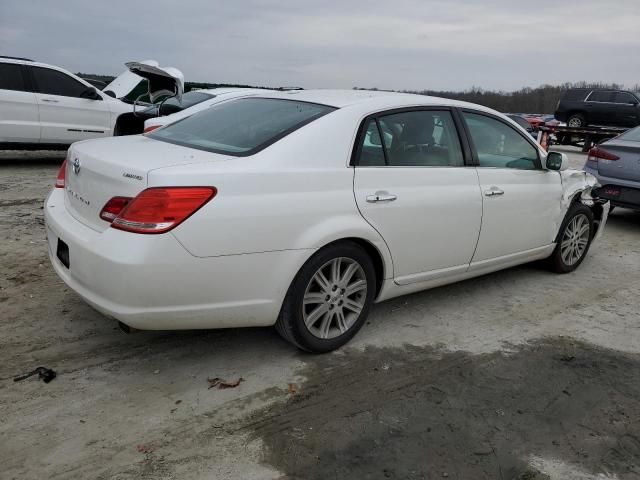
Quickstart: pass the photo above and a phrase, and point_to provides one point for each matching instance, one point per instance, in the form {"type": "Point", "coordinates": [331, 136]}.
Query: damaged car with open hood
{"type": "Point", "coordinates": [45, 106]}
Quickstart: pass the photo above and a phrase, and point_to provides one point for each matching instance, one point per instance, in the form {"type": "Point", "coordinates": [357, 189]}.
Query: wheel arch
{"type": "Point", "coordinates": [377, 251]}
{"type": "Point", "coordinates": [577, 111]}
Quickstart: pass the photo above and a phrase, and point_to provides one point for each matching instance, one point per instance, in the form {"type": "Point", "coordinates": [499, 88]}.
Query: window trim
{"type": "Point", "coordinates": [474, 150]}
{"type": "Point", "coordinates": [362, 130]}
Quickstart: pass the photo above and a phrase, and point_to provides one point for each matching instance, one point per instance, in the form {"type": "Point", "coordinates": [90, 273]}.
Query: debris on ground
{"type": "Point", "coordinates": [45, 374]}
{"type": "Point", "coordinates": [178, 402]}
{"type": "Point", "coordinates": [144, 449]}
{"type": "Point", "coordinates": [293, 389]}
{"type": "Point", "coordinates": [221, 384]}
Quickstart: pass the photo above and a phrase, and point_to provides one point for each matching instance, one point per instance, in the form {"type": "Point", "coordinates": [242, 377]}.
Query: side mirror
{"type": "Point", "coordinates": [91, 94]}
{"type": "Point", "coordinates": [557, 161]}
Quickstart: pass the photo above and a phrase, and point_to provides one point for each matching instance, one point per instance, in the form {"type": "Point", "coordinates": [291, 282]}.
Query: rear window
{"type": "Point", "coordinates": [241, 127]}
{"type": "Point", "coordinates": [632, 135]}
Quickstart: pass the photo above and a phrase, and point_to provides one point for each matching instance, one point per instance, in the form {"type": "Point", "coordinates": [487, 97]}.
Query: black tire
{"type": "Point", "coordinates": [577, 119]}
{"type": "Point", "coordinates": [556, 261]}
{"type": "Point", "coordinates": [291, 325]}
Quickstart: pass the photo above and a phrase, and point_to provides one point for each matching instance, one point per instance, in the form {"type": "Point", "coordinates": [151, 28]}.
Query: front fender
{"type": "Point", "coordinates": [580, 186]}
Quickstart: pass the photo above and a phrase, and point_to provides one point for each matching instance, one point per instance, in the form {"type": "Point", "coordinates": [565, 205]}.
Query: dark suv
{"type": "Point", "coordinates": [580, 107]}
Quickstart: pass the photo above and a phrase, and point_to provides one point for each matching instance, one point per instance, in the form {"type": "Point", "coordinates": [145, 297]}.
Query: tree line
{"type": "Point", "coordinates": [542, 99]}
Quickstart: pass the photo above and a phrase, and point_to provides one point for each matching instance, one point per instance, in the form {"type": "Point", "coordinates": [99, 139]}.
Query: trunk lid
{"type": "Point", "coordinates": [148, 79]}
{"type": "Point", "coordinates": [627, 167]}
{"type": "Point", "coordinates": [98, 170]}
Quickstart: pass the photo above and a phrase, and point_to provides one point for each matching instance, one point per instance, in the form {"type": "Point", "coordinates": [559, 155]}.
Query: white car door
{"type": "Point", "coordinates": [521, 201]}
{"type": "Point", "coordinates": [19, 121]}
{"type": "Point", "coordinates": [65, 116]}
{"type": "Point", "coordinates": [411, 184]}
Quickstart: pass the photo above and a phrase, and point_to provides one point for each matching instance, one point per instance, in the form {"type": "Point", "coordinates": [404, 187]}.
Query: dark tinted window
{"type": "Point", "coordinates": [600, 96]}
{"type": "Point", "coordinates": [11, 77]}
{"type": "Point", "coordinates": [241, 127]}
{"type": "Point", "coordinates": [53, 82]}
{"type": "Point", "coordinates": [499, 145]}
{"type": "Point", "coordinates": [412, 139]}
{"type": "Point", "coordinates": [371, 150]}
{"type": "Point", "coordinates": [576, 94]}
{"type": "Point", "coordinates": [624, 97]}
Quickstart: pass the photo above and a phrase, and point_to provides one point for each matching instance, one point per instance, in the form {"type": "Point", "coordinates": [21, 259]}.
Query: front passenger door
{"type": "Point", "coordinates": [521, 201]}
{"type": "Point", "coordinates": [66, 117]}
{"type": "Point", "coordinates": [411, 184]}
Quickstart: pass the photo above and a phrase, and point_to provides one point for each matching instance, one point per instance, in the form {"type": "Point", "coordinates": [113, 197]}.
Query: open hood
{"type": "Point", "coordinates": [146, 79]}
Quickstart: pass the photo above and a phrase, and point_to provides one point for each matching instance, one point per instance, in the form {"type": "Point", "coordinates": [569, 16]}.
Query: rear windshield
{"type": "Point", "coordinates": [632, 135]}
{"type": "Point", "coordinates": [241, 127]}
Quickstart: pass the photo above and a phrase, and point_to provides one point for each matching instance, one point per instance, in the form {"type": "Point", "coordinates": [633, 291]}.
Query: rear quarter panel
{"type": "Point", "coordinates": [295, 194]}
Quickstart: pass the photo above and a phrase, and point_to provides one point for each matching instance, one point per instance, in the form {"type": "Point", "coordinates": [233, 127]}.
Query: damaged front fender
{"type": "Point", "coordinates": [578, 185]}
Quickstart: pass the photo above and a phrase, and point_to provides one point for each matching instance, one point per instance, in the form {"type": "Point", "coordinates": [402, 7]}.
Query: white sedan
{"type": "Point", "coordinates": [303, 208]}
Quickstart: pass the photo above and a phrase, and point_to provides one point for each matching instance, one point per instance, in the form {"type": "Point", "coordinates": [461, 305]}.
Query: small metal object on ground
{"type": "Point", "coordinates": [45, 374]}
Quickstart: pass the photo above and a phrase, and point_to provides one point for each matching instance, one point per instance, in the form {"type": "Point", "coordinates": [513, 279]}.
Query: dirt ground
{"type": "Point", "coordinates": [520, 374]}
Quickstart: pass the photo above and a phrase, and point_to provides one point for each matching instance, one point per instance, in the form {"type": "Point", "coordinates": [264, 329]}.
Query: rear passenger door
{"type": "Point", "coordinates": [627, 110]}
{"type": "Point", "coordinates": [65, 116]}
{"type": "Point", "coordinates": [521, 201]}
{"type": "Point", "coordinates": [18, 108]}
{"type": "Point", "coordinates": [412, 185]}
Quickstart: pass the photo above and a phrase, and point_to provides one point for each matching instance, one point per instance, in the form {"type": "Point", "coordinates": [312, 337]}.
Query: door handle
{"type": "Point", "coordinates": [50, 100]}
{"type": "Point", "coordinates": [493, 191]}
{"type": "Point", "coordinates": [381, 197]}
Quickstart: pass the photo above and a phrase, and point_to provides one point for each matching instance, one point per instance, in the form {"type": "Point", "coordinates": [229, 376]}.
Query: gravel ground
{"type": "Point", "coordinates": [517, 374]}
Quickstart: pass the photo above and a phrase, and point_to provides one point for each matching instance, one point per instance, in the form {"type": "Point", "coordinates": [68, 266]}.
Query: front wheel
{"type": "Point", "coordinates": [576, 120]}
{"type": "Point", "coordinates": [329, 299]}
{"type": "Point", "coordinates": [574, 240]}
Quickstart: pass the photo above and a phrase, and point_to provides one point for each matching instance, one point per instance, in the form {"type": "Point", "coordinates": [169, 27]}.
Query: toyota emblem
{"type": "Point", "coordinates": [76, 166]}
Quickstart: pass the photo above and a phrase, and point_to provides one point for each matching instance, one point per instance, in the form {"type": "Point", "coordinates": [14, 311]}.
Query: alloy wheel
{"type": "Point", "coordinates": [334, 298]}
{"type": "Point", "coordinates": [575, 239]}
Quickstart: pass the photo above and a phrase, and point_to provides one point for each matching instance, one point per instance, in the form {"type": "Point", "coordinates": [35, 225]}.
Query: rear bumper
{"type": "Point", "coordinates": [621, 193]}
{"type": "Point", "coordinates": [151, 282]}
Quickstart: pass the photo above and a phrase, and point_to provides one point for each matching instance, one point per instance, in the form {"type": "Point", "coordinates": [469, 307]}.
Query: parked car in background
{"type": "Point", "coordinates": [535, 121]}
{"type": "Point", "coordinates": [286, 208]}
{"type": "Point", "coordinates": [616, 165]}
{"type": "Point", "coordinates": [44, 106]}
{"type": "Point", "coordinates": [580, 107]}
{"type": "Point", "coordinates": [522, 121]}
{"type": "Point", "coordinates": [176, 112]}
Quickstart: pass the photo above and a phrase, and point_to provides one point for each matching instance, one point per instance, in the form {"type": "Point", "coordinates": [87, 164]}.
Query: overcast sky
{"type": "Point", "coordinates": [395, 44]}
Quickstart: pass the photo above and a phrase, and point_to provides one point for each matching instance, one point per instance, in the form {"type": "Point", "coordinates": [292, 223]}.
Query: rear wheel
{"type": "Point", "coordinates": [576, 120]}
{"type": "Point", "coordinates": [329, 299]}
{"type": "Point", "coordinates": [574, 240]}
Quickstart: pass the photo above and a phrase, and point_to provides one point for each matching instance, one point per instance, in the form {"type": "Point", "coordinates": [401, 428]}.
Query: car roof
{"type": "Point", "coordinates": [375, 99]}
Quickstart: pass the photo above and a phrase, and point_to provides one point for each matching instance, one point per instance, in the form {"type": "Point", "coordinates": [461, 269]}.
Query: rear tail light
{"type": "Point", "coordinates": [61, 175]}
{"type": "Point", "coordinates": [597, 153]}
{"type": "Point", "coordinates": [157, 209]}
{"type": "Point", "coordinates": [151, 128]}
{"type": "Point", "coordinates": [113, 208]}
